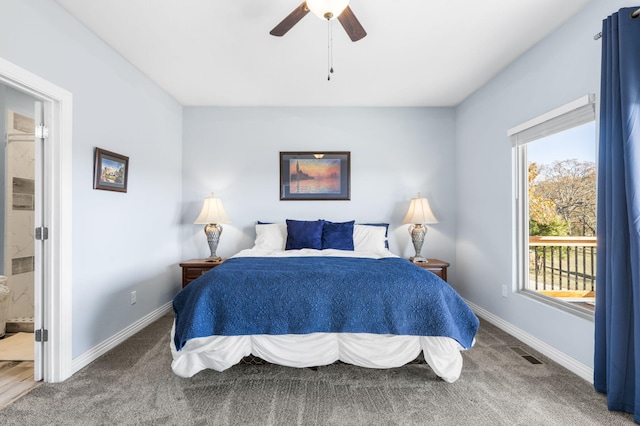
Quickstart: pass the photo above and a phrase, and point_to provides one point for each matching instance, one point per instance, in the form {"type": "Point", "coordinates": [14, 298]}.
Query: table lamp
{"type": "Point", "coordinates": [418, 215]}
{"type": "Point", "coordinates": [212, 215]}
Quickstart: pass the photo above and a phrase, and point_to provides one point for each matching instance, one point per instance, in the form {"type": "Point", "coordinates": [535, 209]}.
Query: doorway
{"type": "Point", "coordinates": [19, 204]}
{"type": "Point", "coordinates": [52, 297]}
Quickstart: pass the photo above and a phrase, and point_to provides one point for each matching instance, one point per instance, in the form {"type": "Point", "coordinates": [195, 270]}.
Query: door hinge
{"type": "Point", "coordinates": [42, 233]}
{"type": "Point", "coordinates": [42, 335]}
{"type": "Point", "coordinates": [42, 132]}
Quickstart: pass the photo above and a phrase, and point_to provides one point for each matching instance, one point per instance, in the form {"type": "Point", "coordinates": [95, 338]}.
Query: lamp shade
{"type": "Point", "coordinates": [327, 9]}
{"type": "Point", "coordinates": [212, 212]}
{"type": "Point", "coordinates": [419, 212]}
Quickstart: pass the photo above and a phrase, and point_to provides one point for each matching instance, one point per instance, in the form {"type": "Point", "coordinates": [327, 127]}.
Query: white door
{"type": "Point", "coordinates": [40, 243]}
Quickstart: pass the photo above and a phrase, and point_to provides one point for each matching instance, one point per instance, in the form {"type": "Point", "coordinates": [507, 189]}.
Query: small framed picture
{"type": "Point", "coordinates": [315, 175]}
{"type": "Point", "coordinates": [110, 171]}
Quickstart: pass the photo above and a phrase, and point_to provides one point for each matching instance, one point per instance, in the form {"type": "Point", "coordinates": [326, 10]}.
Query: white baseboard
{"type": "Point", "coordinates": [99, 350]}
{"type": "Point", "coordinates": [561, 358]}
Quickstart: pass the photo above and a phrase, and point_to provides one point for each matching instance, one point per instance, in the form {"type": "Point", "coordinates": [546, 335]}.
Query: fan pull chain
{"type": "Point", "coordinates": [330, 49]}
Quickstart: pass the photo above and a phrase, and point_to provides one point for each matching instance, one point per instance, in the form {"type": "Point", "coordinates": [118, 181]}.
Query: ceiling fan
{"type": "Point", "coordinates": [324, 9]}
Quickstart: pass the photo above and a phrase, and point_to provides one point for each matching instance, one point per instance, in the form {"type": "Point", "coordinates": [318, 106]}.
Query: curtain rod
{"type": "Point", "coordinates": [634, 15]}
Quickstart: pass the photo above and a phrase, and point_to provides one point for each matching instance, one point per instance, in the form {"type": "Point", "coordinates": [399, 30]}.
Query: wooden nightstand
{"type": "Point", "coordinates": [192, 269]}
{"type": "Point", "coordinates": [436, 266]}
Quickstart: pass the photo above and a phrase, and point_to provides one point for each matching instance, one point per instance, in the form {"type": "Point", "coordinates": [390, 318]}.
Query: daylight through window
{"type": "Point", "coordinates": [555, 182]}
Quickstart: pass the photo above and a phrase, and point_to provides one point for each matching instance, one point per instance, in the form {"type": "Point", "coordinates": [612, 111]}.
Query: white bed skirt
{"type": "Point", "coordinates": [317, 349]}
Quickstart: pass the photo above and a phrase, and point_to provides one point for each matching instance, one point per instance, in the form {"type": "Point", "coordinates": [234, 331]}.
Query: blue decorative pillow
{"type": "Point", "coordinates": [337, 236]}
{"type": "Point", "coordinates": [386, 231]}
{"type": "Point", "coordinates": [304, 234]}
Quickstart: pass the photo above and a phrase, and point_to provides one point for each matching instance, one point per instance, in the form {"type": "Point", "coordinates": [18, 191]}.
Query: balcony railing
{"type": "Point", "coordinates": [563, 267]}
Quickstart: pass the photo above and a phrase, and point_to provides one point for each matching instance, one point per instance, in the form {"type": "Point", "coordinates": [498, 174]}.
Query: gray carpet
{"type": "Point", "coordinates": [133, 384]}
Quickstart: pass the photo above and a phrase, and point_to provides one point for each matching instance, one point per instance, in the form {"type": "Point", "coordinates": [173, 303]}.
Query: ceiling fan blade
{"type": "Point", "coordinates": [351, 25]}
{"type": "Point", "coordinates": [288, 22]}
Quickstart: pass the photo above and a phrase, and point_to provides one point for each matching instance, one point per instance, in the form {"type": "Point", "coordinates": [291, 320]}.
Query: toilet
{"type": "Point", "coordinates": [4, 304]}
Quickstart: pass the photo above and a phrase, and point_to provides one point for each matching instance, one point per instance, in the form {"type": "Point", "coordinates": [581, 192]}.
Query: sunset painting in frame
{"type": "Point", "coordinates": [314, 175]}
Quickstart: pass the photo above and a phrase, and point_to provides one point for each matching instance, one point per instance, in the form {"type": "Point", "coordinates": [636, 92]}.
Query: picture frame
{"type": "Point", "coordinates": [110, 171]}
{"type": "Point", "coordinates": [315, 175]}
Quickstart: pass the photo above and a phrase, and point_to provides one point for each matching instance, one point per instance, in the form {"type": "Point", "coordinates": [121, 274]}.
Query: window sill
{"type": "Point", "coordinates": [559, 304]}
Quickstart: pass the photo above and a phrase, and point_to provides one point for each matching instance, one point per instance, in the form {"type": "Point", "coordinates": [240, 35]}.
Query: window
{"type": "Point", "coordinates": [555, 206]}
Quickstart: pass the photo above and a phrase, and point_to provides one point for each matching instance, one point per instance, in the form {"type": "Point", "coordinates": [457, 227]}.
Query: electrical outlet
{"type": "Point", "coordinates": [133, 297]}
{"type": "Point", "coordinates": [504, 291]}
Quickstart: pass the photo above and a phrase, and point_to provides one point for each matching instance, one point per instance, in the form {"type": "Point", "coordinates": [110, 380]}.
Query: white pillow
{"type": "Point", "coordinates": [369, 238]}
{"type": "Point", "coordinates": [272, 236]}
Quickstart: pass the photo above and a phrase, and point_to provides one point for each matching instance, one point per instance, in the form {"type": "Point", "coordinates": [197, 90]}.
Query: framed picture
{"type": "Point", "coordinates": [110, 171]}
{"type": "Point", "coordinates": [315, 175]}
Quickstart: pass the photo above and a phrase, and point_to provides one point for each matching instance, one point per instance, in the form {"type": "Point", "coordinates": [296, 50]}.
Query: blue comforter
{"type": "Point", "coordinates": [300, 295]}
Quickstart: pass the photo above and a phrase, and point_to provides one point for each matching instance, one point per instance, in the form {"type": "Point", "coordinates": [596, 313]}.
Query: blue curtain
{"type": "Point", "coordinates": [617, 316]}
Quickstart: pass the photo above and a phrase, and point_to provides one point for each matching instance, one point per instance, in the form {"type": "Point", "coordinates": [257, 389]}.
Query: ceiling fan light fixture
{"type": "Point", "coordinates": [327, 9]}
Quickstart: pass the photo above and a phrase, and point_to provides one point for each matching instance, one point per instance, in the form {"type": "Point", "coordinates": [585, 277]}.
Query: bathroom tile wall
{"type": "Point", "coordinates": [19, 215]}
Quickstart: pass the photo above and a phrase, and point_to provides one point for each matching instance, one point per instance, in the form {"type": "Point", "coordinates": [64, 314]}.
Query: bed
{"type": "Point", "coordinates": [301, 302]}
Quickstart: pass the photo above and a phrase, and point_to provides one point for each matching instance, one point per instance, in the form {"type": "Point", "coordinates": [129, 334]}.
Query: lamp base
{"type": "Point", "coordinates": [417, 231]}
{"type": "Point", "coordinates": [213, 231]}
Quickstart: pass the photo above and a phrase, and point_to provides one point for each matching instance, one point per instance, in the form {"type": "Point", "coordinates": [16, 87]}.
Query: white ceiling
{"type": "Point", "coordinates": [416, 53]}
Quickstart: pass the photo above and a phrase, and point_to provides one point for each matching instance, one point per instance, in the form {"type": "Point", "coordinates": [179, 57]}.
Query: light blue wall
{"type": "Point", "coordinates": [121, 242]}
{"type": "Point", "coordinates": [561, 68]}
{"type": "Point", "coordinates": [395, 152]}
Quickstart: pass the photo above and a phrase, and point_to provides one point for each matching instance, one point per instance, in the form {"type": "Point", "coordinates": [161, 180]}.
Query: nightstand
{"type": "Point", "coordinates": [436, 266]}
{"type": "Point", "coordinates": [192, 269]}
